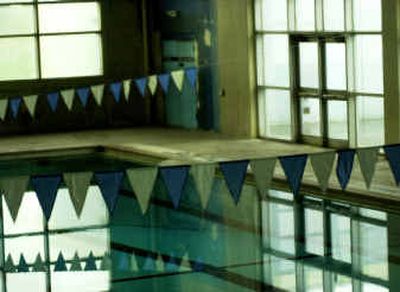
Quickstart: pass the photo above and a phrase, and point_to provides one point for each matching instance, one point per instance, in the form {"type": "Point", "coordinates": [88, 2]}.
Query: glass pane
{"type": "Point", "coordinates": [368, 287]}
{"type": "Point", "coordinates": [337, 120]}
{"type": "Point", "coordinates": [373, 214]}
{"type": "Point", "coordinates": [16, 1]}
{"type": "Point", "coordinates": [341, 283]}
{"type": "Point", "coordinates": [71, 55]}
{"type": "Point", "coordinates": [314, 232]}
{"type": "Point", "coordinates": [334, 15]}
{"type": "Point", "coordinates": [336, 66]}
{"type": "Point", "coordinates": [313, 279]}
{"type": "Point", "coordinates": [69, 17]}
{"type": "Point", "coordinates": [271, 15]}
{"type": "Point", "coordinates": [305, 15]}
{"type": "Point", "coordinates": [310, 117]}
{"type": "Point", "coordinates": [368, 63]}
{"type": "Point", "coordinates": [341, 238]}
{"type": "Point", "coordinates": [281, 227]}
{"type": "Point", "coordinates": [18, 58]}
{"type": "Point", "coordinates": [370, 121]}
{"type": "Point", "coordinates": [309, 65]}
{"type": "Point", "coordinates": [275, 114]}
{"type": "Point", "coordinates": [273, 60]}
{"type": "Point", "coordinates": [17, 19]}
{"type": "Point", "coordinates": [283, 273]}
{"type": "Point", "coordinates": [367, 15]}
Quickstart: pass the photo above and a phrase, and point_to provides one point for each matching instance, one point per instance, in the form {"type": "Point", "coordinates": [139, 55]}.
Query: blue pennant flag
{"type": "Point", "coordinates": [344, 166]}
{"type": "Point", "coordinates": [15, 104]}
{"type": "Point", "coordinates": [164, 81]}
{"type": "Point", "coordinates": [198, 265]}
{"type": "Point", "coordinates": [172, 265]}
{"type": "Point", "coordinates": [83, 94]}
{"type": "Point", "coordinates": [52, 99]}
{"type": "Point", "coordinates": [141, 84]}
{"type": "Point", "coordinates": [60, 265]}
{"type": "Point", "coordinates": [149, 264]}
{"type": "Point", "coordinates": [175, 179]}
{"type": "Point", "coordinates": [293, 166]}
{"type": "Point", "coordinates": [91, 263]}
{"type": "Point", "coordinates": [22, 266]}
{"type": "Point", "coordinates": [123, 261]}
{"type": "Point", "coordinates": [191, 75]}
{"type": "Point", "coordinates": [234, 174]}
{"type": "Point", "coordinates": [116, 90]}
{"type": "Point", "coordinates": [46, 190]}
{"type": "Point", "coordinates": [109, 183]}
{"type": "Point", "coordinates": [393, 156]}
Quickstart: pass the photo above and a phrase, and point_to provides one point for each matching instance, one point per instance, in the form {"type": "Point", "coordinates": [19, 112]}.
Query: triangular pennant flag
{"type": "Point", "coordinates": [91, 263]}
{"type": "Point", "coordinates": [152, 84]}
{"type": "Point", "coordinates": [60, 265]}
{"type": "Point", "coordinates": [141, 84]}
{"type": "Point", "coordinates": [191, 75]}
{"type": "Point", "coordinates": [142, 182]}
{"type": "Point", "coordinates": [9, 266]}
{"type": "Point", "coordinates": [203, 176]}
{"type": "Point", "coordinates": [46, 190]}
{"type": "Point", "coordinates": [105, 264]}
{"type": "Point", "coordinates": [83, 94]}
{"type": "Point", "coordinates": [3, 108]}
{"type": "Point", "coordinates": [78, 185]}
{"type": "Point", "coordinates": [123, 262]}
{"type": "Point", "coordinates": [15, 104]}
{"type": "Point", "coordinates": [115, 89]}
{"type": "Point", "coordinates": [164, 80]}
{"type": "Point", "coordinates": [368, 158]}
{"type": "Point", "coordinates": [185, 263]}
{"type": "Point", "coordinates": [322, 164]}
{"type": "Point", "coordinates": [344, 166]}
{"type": "Point", "coordinates": [234, 173]}
{"type": "Point", "coordinates": [175, 179]}
{"type": "Point", "coordinates": [159, 264]}
{"type": "Point", "coordinates": [109, 183]}
{"type": "Point", "coordinates": [263, 170]}
{"type": "Point", "coordinates": [68, 97]}
{"type": "Point", "coordinates": [198, 265]}
{"type": "Point", "coordinates": [127, 88]}
{"type": "Point", "coordinates": [30, 102]}
{"type": "Point", "coordinates": [76, 264]}
{"type": "Point", "coordinates": [52, 99]}
{"type": "Point", "coordinates": [14, 189]}
{"type": "Point", "coordinates": [293, 166]}
{"type": "Point", "coordinates": [39, 265]}
{"type": "Point", "coordinates": [171, 266]}
{"type": "Point", "coordinates": [178, 77]}
{"type": "Point", "coordinates": [98, 93]}
{"type": "Point", "coordinates": [393, 156]}
{"type": "Point", "coordinates": [22, 265]}
{"type": "Point", "coordinates": [134, 264]}
{"type": "Point", "coordinates": [149, 264]}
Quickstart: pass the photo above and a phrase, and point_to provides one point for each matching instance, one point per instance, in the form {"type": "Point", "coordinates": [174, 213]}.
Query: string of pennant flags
{"type": "Point", "coordinates": [117, 89]}
{"type": "Point", "coordinates": [142, 180]}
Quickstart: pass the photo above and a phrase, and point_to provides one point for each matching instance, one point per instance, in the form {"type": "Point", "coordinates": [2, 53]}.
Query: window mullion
{"type": "Point", "coordinates": [37, 36]}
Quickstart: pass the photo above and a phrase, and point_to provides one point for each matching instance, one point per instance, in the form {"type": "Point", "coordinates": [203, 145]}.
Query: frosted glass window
{"type": "Point", "coordinates": [314, 232]}
{"type": "Point", "coordinates": [283, 273]}
{"type": "Point", "coordinates": [367, 15]}
{"type": "Point", "coordinates": [281, 227]}
{"type": "Point", "coordinates": [18, 58]}
{"type": "Point", "coordinates": [313, 279]}
{"type": "Point", "coordinates": [341, 238]}
{"type": "Point", "coordinates": [309, 76]}
{"type": "Point", "coordinates": [305, 15]}
{"type": "Point", "coordinates": [71, 55]}
{"type": "Point", "coordinates": [273, 60]}
{"type": "Point", "coordinates": [17, 19]}
{"type": "Point", "coordinates": [271, 14]}
{"type": "Point", "coordinates": [368, 63]}
{"type": "Point", "coordinates": [336, 66]}
{"type": "Point", "coordinates": [333, 15]}
{"type": "Point", "coordinates": [15, 1]}
{"type": "Point", "coordinates": [337, 120]}
{"type": "Point", "coordinates": [69, 17]}
{"type": "Point", "coordinates": [310, 117]}
{"type": "Point", "coordinates": [370, 121]}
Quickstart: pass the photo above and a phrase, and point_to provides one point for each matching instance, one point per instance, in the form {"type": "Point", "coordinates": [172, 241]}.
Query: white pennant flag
{"type": "Point", "coordinates": [159, 264]}
{"type": "Point", "coordinates": [263, 170]}
{"type": "Point", "coordinates": [368, 158]}
{"type": "Point", "coordinates": [68, 97]}
{"type": "Point", "coordinates": [14, 189]}
{"type": "Point", "coordinates": [78, 185]}
{"type": "Point", "coordinates": [152, 84]}
{"type": "Point", "coordinates": [3, 108]}
{"type": "Point", "coordinates": [178, 77]}
{"type": "Point", "coordinates": [127, 88]}
{"type": "Point", "coordinates": [185, 263]}
{"type": "Point", "coordinates": [30, 102]}
{"type": "Point", "coordinates": [322, 164]}
{"type": "Point", "coordinates": [142, 181]}
{"type": "Point", "coordinates": [203, 176]}
{"type": "Point", "coordinates": [133, 264]}
{"type": "Point", "coordinates": [98, 93]}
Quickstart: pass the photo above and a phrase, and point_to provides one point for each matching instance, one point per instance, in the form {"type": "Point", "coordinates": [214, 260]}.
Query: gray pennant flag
{"type": "Point", "coordinates": [68, 97]}
{"type": "Point", "coordinates": [98, 92]}
{"type": "Point", "coordinates": [203, 175]}
{"type": "Point", "coordinates": [39, 265]}
{"type": "Point", "coordinates": [263, 170]}
{"type": "Point", "coordinates": [3, 108]}
{"type": "Point", "coordinates": [322, 164]}
{"type": "Point", "coordinates": [127, 88]}
{"type": "Point", "coordinates": [14, 189]}
{"type": "Point", "coordinates": [105, 264]}
{"type": "Point", "coordinates": [368, 158]}
{"type": "Point", "coordinates": [78, 185]}
{"type": "Point", "coordinates": [76, 264]}
{"type": "Point", "coordinates": [30, 102]}
{"type": "Point", "coordinates": [142, 181]}
{"type": "Point", "coordinates": [9, 266]}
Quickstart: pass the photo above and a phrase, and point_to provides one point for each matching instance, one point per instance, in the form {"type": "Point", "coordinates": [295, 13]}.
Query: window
{"type": "Point", "coordinates": [49, 39]}
{"type": "Point", "coordinates": [320, 71]}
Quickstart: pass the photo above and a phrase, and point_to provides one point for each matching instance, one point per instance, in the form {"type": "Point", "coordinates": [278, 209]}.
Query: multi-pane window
{"type": "Point", "coordinates": [320, 71]}
{"type": "Point", "coordinates": [49, 39]}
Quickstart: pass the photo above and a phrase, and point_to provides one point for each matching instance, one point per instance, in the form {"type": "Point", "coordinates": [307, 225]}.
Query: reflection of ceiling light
{"type": "Point", "coordinates": [172, 13]}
